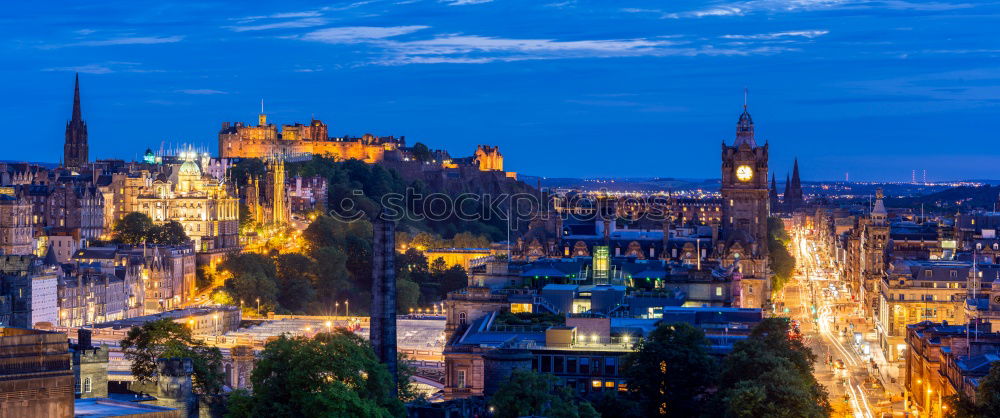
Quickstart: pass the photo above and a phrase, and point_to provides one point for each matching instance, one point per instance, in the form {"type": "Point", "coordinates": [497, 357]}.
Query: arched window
{"type": "Point", "coordinates": [87, 385]}
{"type": "Point", "coordinates": [461, 319]}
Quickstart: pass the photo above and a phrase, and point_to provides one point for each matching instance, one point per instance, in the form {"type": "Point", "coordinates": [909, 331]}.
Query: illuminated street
{"type": "Point", "coordinates": [832, 326]}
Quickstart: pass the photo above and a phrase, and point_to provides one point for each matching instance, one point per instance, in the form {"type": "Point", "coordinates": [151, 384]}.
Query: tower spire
{"type": "Point", "coordinates": [745, 91]}
{"type": "Point", "coordinates": [77, 114]}
{"type": "Point", "coordinates": [75, 151]}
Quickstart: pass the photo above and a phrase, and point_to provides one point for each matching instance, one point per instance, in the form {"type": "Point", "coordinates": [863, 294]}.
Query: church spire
{"type": "Point", "coordinates": [77, 114]}
{"type": "Point", "coordinates": [75, 151]}
{"type": "Point", "coordinates": [796, 182]}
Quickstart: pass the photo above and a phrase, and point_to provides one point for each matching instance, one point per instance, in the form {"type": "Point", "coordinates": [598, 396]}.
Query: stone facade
{"type": "Point", "coordinates": [202, 205]}
{"type": "Point", "coordinates": [15, 224]}
{"type": "Point", "coordinates": [35, 375]}
{"type": "Point", "coordinates": [745, 202]}
{"type": "Point", "coordinates": [489, 158]}
{"type": "Point", "coordinates": [237, 140]}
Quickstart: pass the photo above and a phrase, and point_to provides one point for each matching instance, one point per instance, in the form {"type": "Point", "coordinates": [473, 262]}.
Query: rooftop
{"type": "Point", "coordinates": [104, 407]}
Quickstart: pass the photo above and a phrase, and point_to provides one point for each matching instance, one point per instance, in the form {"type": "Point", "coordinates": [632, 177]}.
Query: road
{"type": "Point", "coordinates": [826, 314]}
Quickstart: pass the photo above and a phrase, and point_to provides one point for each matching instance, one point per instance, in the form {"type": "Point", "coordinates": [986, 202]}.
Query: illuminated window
{"type": "Point", "coordinates": [718, 291]}
{"type": "Point", "coordinates": [596, 384]}
{"type": "Point", "coordinates": [460, 379]}
{"type": "Point", "coordinates": [520, 307]}
{"type": "Point", "coordinates": [87, 385]}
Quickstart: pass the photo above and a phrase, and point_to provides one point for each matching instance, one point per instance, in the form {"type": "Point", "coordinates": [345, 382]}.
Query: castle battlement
{"type": "Point", "coordinates": [239, 140]}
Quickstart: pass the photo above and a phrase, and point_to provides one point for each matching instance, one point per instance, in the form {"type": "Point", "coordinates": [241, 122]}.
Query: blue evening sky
{"type": "Point", "coordinates": [564, 87]}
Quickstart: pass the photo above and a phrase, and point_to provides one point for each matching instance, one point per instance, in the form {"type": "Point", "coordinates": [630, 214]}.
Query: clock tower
{"type": "Point", "coordinates": [745, 201]}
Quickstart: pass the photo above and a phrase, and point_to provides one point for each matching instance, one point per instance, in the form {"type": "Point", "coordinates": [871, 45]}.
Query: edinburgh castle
{"type": "Point", "coordinates": [237, 140]}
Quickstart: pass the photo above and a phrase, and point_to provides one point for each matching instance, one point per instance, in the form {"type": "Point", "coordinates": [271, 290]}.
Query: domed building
{"type": "Point", "coordinates": [201, 204]}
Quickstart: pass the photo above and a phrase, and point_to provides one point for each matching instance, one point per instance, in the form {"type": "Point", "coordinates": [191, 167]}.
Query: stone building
{"type": "Point", "coordinates": [100, 287]}
{"type": "Point", "coordinates": [307, 194]}
{"type": "Point", "coordinates": [203, 206]}
{"type": "Point", "coordinates": [943, 360]}
{"type": "Point", "coordinates": [169, 275]}
{"type": "Point", "coordinates": [745, 202]}
{"type": "Point", "coordinates": [237, 140]}
{"type": "Point", "coordinates": [16, 235]}
{"type": "Point", "coordinates": [90, 367]}
{"type": "Point", "coordinates": [67, 205]}
{"type": "Point", "coordinates": [914, 291]}
{"type": "Point", "coordinates": [489, 158]}
{"type": "Point", "coordinates": [15, 290]}
{"type": "Point", "coordinates": [35, 375]}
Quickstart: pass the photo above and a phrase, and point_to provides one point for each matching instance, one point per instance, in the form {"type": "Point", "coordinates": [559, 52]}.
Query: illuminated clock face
{"type": "Point", "coordinates": [744, 173]}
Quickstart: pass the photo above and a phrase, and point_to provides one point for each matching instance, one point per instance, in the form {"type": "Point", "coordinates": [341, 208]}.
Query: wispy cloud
{"type": "Point", "coordinates": [464, 2]}
{"type": "Point", "coordinates": [471, 49]}
{"type": "Point", "coordinates": [201, 92]}
{"type": "Point", "coordinates": [283, 15]}
{"type": "Point", "coordinates": [306, 22]}
{"type": "Point", "coordinates": [740, 8]}
{"type": "Point", "coordinates": [777, 35]}
{"type": "Point", "coordinates": [127, 40]}
{"type": "Point", "coordinates": [355, 34]}
{"type": "Point", "coordinates": [105, 68]}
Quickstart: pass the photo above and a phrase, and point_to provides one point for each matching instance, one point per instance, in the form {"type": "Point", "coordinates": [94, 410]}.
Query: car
{"type": "Point", "coordinates": [839, 364]}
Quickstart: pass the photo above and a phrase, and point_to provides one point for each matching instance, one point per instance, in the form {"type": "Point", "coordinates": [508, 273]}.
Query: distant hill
{"type": "Point", "coordinates": [643, 184]}
{"type": "Point", "coordinates": [953, 199]}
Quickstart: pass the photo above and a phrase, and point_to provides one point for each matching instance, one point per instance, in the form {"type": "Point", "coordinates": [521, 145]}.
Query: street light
{"type": "Point", "coordinates": [347, 307]}
{"type": "Point", "coordinates": [258, 306]}
{"type": "Point", "coordinates": [336, 308]}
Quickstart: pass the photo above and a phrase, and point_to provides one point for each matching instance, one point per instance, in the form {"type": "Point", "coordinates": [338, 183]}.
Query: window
{"type": "Point", "coordinates": [928, 273]}
{"type": "Point", "coordinates": [546, 364]}
{"type": "Point", "coordinates": [718, 291]}
{"type": "Point", "coordinates": [560, 361]}
{"type": "Point", "coordinates": [609, 366]}
{"type": "Point", "coordinates": [461, 319]}
{"type": "Point", "coordinates": [571, 365]}
{"type": "Point", "coordinates": [460, 379]}
{"type": "Point", "coordinates": [953, 273]}
{"type": "Point", "coordinates": [597, 365]}
{"type": "Point", "coordinates": [584, 365]}
{"type": "Point", "coordinates": [87, 385]}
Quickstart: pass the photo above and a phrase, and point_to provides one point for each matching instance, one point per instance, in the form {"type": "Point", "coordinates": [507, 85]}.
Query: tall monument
{"type": "Point", "coordinates": [75, 152]}
{"type": "Point", "coordinates": [383, 310]}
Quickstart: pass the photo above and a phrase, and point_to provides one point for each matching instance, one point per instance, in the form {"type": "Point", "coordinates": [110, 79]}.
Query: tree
{"type": "Point", "coordinates": [250, 287]}
{"type": "Point", "coordinates": [165, 338]}
{"type": "Point", "coordinates": [454, 278]}
{"type": "Point", "coordinates": [420, 152]}
{"type": "Point", "coordinates": [170, 233]}
{"type": "Point", "coordinates": [332, 374]}
{"type": "Point", "coordinates": [133, 229]}
{"type": "Point", "coordinates": [538, 394]}
{"type": "Point", "coordinates": [438, 266]}
{"type": "Point", "coordinates": [246, 168]}
{"type": "Point", "coordinates": [654, 368]}
{"type": "Point", "coordinates": [136, 229]}
{"type": "Point", "coordinates": [780, 260]}
{"type": "Point", "coordinates": [407, 295]}
{"type": "Point", "coordinates": [296, 274]}
{"type": "Point", "coordinates": [771, 374]}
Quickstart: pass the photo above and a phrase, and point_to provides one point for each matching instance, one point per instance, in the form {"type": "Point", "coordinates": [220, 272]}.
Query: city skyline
{"type": "Point", "coordinates": [840, 94]}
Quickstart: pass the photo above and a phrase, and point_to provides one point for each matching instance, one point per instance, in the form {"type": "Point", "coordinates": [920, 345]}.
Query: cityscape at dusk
{"type": "Point", "coordinates": [500, 208]}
